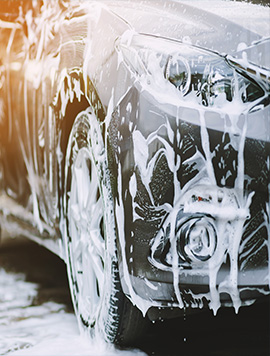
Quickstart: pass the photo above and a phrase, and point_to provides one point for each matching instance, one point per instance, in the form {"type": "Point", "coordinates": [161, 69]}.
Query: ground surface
{"type": "Point", "coordinates": [36, 316]}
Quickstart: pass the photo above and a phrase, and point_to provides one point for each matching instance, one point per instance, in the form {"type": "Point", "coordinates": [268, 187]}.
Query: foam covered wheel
{"type": "Point", "coordinates": [90, 241]}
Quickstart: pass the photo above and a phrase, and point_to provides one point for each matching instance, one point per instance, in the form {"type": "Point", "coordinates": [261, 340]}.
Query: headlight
{"type": "Point", "coordinates": [195, 73]}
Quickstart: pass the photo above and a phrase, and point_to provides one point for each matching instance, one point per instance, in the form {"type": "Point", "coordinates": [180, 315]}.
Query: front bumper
{"type": "Point", "coordinates": [163, 157]}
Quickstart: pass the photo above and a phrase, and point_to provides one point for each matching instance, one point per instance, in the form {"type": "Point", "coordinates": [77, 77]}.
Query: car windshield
{"type": "Point", "coordinates": [253, 15]}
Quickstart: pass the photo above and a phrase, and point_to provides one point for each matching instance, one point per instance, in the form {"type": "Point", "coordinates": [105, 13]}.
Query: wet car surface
{"type": "Point", "coordinates": [227, 334]}
{"type": "Point", "coordinates": [138, 151]}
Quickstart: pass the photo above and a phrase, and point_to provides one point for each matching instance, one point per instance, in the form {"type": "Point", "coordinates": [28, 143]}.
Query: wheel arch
{"type": "Point", "coordinates": [75, 93]}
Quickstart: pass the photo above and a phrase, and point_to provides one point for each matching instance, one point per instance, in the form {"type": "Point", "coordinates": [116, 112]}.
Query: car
{"type": "Point", "coordinates": [135, 144]}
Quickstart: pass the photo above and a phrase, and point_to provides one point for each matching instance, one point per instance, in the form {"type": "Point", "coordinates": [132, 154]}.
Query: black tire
{"type": "Point", "coordinates": [90, 240]}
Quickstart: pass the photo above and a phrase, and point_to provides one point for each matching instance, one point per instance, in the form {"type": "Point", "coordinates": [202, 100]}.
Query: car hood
{"type": "Point", "coordinates": [222, 26]}
{"type": "Point", "coordinates": [256, 54]}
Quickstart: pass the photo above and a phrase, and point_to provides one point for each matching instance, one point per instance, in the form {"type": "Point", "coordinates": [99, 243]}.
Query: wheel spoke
{"type": "Point", "coordinates": [97, 215]}
{"type": "Point", "coordinates": [83, 183]}
{"type": "Point", "coordinates": [75, 213]}
{"type": "Point", "coordinates": [79, 188]}
{"type": "Point", "coordinates": [89, 283]}
{"type": "Point", "coordinates": [98, 243]}
{"type": "Point", "coordinates": [86, 231]}
{"type": "Point", "coordinates": [91, 196]}
{"type": "Point", "coordinates": [92, 297]}
{"type": "Point", "coordinates": [97, 266]}
{"type": "Point", "coordinates": [78, 251]}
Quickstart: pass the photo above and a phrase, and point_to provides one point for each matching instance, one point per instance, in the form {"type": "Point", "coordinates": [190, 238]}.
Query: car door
{"type": "Point", "coordinates": [13, 170]}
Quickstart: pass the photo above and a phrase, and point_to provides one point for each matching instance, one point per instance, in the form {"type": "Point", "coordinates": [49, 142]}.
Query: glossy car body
{"type": "Point", "coordinates": [181, 101]}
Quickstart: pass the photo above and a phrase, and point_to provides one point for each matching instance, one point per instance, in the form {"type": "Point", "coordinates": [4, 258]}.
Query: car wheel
{"type": "Point", "coordinates": [100, 305]}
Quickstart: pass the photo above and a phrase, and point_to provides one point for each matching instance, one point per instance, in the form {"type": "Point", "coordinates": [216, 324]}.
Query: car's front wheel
{"type": "Point", "coordinates": [99, 303]}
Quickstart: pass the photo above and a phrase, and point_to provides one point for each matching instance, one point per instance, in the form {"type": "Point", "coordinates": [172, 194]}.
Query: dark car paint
{"type": "Point", "coordinates": [38, 116]}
